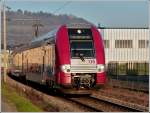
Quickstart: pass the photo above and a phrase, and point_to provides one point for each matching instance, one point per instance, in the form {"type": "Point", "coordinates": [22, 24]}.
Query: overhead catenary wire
{"type": "Point", "coordinates": [63, 6]}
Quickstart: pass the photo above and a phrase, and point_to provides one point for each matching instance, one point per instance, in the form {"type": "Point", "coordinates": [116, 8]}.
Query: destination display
{"type": "Point", "coordinates": [80, 37]}
{"type": "Point", "coordinates": [80, 34]}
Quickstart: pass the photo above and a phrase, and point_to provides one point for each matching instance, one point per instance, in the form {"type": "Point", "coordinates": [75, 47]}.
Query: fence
{"type": "Point", "coordinates": [127, 57]}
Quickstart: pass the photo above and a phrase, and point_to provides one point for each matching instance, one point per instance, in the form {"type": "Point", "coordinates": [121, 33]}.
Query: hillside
{"type": "Point", "coordinates": [20, 24]}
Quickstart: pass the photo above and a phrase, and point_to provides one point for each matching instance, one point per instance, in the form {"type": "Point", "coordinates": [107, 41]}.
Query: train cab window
{"type": "Point", "coordinates": [81, 43]}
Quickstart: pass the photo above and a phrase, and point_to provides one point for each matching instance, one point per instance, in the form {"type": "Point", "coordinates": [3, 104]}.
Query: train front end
{"type": "Point", "coordinates": [81, 61]}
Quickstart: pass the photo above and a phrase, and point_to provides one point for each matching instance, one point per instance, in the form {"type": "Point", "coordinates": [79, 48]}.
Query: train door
{"type": "Point", "coordinates": [44, 62]}
{"type": "Point", "coordinates": [22, 61]}
{"type": "Point", "coordinates": [51, 67]}
{"type": "Point", "coordinates": [25, 63]}
{"type": "Point", "coordinates": [50, 64]}
{"type": "Point", "coordinates": [53, 60]}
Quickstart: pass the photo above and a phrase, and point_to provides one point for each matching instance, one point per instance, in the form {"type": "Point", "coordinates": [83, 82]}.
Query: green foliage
{"type": "Point", "coordinates": [22, 104]}
{"type": "Point", "coordinates": [132, 72]}
{"type": "Point", "coordinates": [142, 69]}
{"type": "Point", "coordinates": [121, 68]}
{"type": "Point", "coordinates": [124, 69]}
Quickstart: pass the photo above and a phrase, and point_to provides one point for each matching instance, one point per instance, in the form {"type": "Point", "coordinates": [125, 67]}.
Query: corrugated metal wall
{"type": "Point", "coordinates": [127, 56]}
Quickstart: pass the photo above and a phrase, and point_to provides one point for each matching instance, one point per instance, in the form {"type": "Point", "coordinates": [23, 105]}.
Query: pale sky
{"type": "Point", "coordinates": [110, 13]}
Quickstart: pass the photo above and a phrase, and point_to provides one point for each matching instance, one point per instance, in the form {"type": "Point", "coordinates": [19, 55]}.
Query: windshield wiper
{"type": "Point", "coordinates": [81, 57]}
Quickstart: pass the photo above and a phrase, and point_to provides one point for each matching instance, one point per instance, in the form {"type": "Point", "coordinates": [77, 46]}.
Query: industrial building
{"type": "Point", "coordinates": [127, 48]}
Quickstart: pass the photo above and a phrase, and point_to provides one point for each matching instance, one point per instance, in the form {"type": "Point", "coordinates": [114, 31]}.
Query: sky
{"type": "Point", "coordinates": [109, 13]}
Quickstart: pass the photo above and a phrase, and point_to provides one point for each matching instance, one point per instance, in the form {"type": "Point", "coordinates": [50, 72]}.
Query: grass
{"type": "Point", "coordinates": [22, 104]}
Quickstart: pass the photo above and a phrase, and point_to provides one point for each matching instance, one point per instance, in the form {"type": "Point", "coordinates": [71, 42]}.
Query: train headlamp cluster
{"type": "Point", "coordinates": [65, 68]}
{"type": "Point", "coordinates": [100, 68]}
{"type": "Point", "coordinates": [79, 31]}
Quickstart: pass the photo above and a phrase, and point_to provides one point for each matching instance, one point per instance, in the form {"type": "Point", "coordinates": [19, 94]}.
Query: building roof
{"type": "Point", "coordinates": [123, 27]}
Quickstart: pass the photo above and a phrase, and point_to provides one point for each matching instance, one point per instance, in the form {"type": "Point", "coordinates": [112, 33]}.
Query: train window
{"type": "Point", "coordinates": [82, 53]}
{"type": "Point", "coordinates": [81, 43]}
{"type": "Point", "coordinates": [84, 48]}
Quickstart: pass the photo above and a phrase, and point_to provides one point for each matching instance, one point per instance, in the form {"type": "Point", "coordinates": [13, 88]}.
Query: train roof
{"type": "Point", "coordinates": [79, 25]}
{"type": "Point", "coordinates": [52, 33]}
{"type": "Point", "coordinates": [38, 41]}
{"type": "Point", "coordinates": [49, 37]}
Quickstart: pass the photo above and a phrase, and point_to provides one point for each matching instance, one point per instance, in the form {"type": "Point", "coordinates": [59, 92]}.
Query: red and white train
{"type": "Point", "coordinates": [70, 57]}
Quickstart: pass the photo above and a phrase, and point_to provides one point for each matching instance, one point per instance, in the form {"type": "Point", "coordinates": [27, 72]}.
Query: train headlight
{"type": "Point", "coordinates": [100, 68]}
{"type": "Point", "coordinates": [79, 31]}
{"type": "Point", "coordinates": [65, 68]}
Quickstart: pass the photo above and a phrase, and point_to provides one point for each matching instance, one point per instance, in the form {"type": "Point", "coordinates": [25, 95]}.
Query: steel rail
{"type": "Point", "coordinates": [117, 102]}
{"type": "Point", "coordinates": [108, 101]}
{"type": "Point", "coordinates": [85, 105]}
{"type": "Point", "coordinates": [106, 104]}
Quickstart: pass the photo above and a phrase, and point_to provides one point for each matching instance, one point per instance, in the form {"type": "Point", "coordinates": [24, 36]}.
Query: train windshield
{"type": "Point", "coordinates": [81, 43]}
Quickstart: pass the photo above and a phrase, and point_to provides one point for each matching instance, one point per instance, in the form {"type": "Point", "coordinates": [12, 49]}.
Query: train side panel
{"type": "Point", "coordinates": [100, 55]}
{"type": "Point", "coordinates": [63, 55]}
{"type": "Point", "coordinates": [36, 64]}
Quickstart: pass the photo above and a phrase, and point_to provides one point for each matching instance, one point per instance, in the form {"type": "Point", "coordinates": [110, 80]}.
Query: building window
{"type": "Point", "coordinates": [123, 44]}
{"type": "Point", "coordinates": [143, 43]}
{"type": "Point", "coordinates": [106, 43]}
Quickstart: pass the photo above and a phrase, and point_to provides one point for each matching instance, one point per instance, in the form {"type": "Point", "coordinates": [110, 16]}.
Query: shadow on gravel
{"type": "Point", "coordinates": [36, 86]}
{"type": "Point", "coordinates": [45, 89]}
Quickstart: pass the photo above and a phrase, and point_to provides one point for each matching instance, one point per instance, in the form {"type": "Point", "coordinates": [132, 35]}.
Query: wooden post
{"type": "Point", "coordinates": [5, 43]}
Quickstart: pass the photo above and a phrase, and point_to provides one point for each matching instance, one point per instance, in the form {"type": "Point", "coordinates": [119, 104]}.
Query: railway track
{"type": "Point", "coordinates": [130, 85]}
{"type": "Point", "coordinates": [49, 100]}
{"type": "Point", "coordinates": [102, 103]}
{"type": "Point", "coordinates": [106, 104]}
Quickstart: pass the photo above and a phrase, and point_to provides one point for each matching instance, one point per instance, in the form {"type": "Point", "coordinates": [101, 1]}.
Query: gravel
{"type": "Point", "coordinates": [126, 95]}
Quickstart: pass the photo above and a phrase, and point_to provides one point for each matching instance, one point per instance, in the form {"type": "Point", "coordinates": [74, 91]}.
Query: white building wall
{"type": "Point", "coordinates": [134, 54]}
